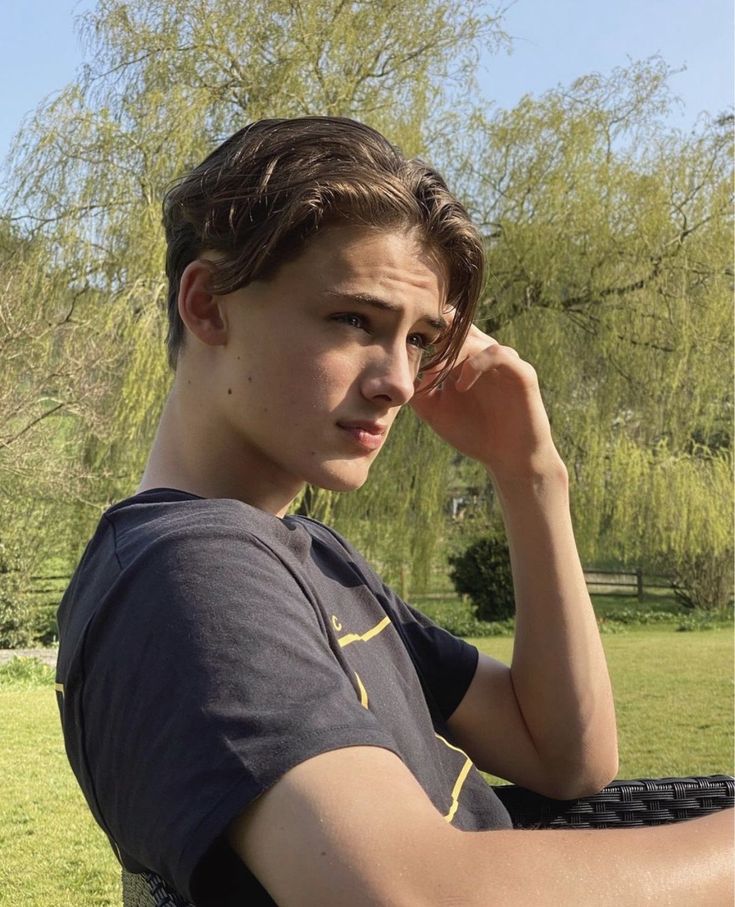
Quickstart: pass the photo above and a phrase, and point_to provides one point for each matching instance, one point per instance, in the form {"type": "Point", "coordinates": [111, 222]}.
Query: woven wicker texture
{"type": "Point", "coordinates": [649, 801]}
{"type": "Point", "coordinates": [622, 804]}
{"type": "Point", "coordinates": [148, 890]}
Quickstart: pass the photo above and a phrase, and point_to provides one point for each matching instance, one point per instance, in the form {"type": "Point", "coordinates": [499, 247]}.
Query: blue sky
{"type": "Point", "coordinates": [555, 41]}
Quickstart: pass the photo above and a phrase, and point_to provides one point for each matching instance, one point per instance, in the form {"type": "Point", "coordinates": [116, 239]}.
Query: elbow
{"type": "Point", "coordinates": [582, 779]}
{"type": "Point", "coordinates": [588, 770]}
{"type": "Point", "coordinates": [578, 788]}
{"type": "Point", "coordinates": [605, 767]}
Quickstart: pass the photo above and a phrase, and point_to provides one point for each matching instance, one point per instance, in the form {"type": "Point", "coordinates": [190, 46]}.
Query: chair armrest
{"type": "Point", "coordinates": [648, 801]}
{"type": "Point", "coordinates": [146, 889]}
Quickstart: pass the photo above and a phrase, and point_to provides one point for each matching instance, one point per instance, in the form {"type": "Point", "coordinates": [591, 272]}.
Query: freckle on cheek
{"type": "Point", "coordinates": [250, 379]}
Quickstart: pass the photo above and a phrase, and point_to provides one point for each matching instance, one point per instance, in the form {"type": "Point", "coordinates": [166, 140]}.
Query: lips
{"type": "Point", "coordinates": [367, 435]}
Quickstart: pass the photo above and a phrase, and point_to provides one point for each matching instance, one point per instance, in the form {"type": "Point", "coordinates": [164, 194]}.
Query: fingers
{"type": "Point", "coordinates": [492, 356]}
{"type": "Point", "coordinates": [477, 340]}
{"type": "Point", "coordinates": [480, 353]}
{"type": "Point", "coordinates": [477, 343]}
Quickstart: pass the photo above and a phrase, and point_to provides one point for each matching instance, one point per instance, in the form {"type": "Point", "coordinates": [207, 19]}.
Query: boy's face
{"type": "Point", "coordinates": [319, 359]}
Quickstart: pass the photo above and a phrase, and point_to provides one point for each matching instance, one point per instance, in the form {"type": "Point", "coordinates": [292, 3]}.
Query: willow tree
{"type": "Point", "coordinates": [51, 383]}
{"type": "Point", "coordinates": [610, 251]}
{"type": "Point", "coordinates": [165, 82]}
{"type": "Point", "coordinates": [54, 368]}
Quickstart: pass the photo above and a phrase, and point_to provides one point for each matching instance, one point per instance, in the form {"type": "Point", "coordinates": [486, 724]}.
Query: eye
{"type": "Point", "coordinates": [421, 342]}
{"type": "Point", "coordinates": [351, 319]}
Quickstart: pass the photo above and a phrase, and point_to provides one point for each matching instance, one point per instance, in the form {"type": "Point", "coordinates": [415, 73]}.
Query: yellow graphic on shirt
{"type": "Point", "coordinates": [364, 637]}
{"type": "Point", "coordinates": [347, 640]}
{"type": "Point", "coordinates": [461, 778]}
{"type": "Point", "coordinates": [363, 691]}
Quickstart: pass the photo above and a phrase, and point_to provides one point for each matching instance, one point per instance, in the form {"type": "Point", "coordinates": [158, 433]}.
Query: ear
{"type": "Point", "coordinates": [199, 308]}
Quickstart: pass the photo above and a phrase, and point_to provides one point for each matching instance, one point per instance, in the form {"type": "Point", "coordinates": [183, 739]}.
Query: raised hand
{"type": "Point", "coordinates": [490, 409]}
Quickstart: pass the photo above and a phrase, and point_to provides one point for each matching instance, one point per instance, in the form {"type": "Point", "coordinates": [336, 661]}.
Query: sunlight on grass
{"type": "Point", "coordinates": [54, 855]}
{"type": "Point", "coordinates": [673, 696]}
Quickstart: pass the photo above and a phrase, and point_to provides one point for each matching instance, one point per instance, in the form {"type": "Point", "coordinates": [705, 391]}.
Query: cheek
{"type": "Point", "coordinates": [340, 366]}
{"type": "Point", "coordinates": [292, 384]}
{"type": "Point", "coordinates": [330, 375]}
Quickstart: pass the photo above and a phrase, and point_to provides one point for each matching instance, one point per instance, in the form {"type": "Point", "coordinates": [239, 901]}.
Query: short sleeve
{"type": "Point", "coordinates": [444, 663]}
{"type": "Point", "coordinates": [207, 673]}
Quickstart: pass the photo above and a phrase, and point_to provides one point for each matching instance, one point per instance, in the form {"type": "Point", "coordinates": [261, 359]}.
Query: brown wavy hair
{"type": "Point", "coordinates": [258, 198]}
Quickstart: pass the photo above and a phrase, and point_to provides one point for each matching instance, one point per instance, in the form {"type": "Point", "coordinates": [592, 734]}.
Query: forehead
{"type": "Point", "coordinates": [385, 263]}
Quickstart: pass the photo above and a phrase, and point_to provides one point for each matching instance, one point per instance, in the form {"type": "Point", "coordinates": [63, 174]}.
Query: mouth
{"type": "Point", "coordinates": [366, 435]}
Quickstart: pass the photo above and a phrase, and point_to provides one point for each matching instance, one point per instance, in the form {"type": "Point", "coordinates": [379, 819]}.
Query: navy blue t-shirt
{"type": "Point", "coordinates": [207, 647]}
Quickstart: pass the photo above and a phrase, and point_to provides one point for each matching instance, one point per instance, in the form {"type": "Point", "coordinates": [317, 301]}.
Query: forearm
{"type": "Point", "coordinates": [558, 671]}
{"type": "Point", "coordinates": [560, 708]}
{"type": "Point", "coordinates": [681, 864]}
{"type": "Point", "coordinates": [384, 842]}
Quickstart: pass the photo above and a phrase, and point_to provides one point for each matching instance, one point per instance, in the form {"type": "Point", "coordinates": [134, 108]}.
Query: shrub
{"type": "Point", "coordinates": [15, 617]}
{"type": "Point", "coordinates": [455, 616]}
{"type": "Point", "coordinates": [695, 622]}
{"type": "Point", "coordinates": [704, 582]}
{"type": "Point", "coordinates": [43, 623]}
{"type": "Point", "coordinates": [26, 674]}
{"type": "Point", "coordinates": [459, 618]}
{"type": "Point", "coordinates": [482, 572]}
{"type": "Point", "coordinates": [505, 627]}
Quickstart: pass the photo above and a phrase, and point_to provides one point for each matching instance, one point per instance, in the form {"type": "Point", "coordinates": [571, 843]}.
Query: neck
{"type": "Point", "coordinates": [194, 451]}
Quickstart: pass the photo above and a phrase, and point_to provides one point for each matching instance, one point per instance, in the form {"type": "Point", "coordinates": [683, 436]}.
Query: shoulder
{"type": "Point", "coordinates": [164, 519]}
{"type": "Point", "coordinates": [170, 564]}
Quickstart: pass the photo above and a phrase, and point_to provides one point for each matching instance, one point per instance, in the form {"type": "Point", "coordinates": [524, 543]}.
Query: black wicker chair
{"type": "Point", "coordinates": [621, 804]}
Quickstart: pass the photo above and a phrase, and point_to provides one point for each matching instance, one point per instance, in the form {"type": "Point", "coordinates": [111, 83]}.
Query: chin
{"type": "Point", "coordinates": [340, 485]}
{"type": "Point", "coordinates": [340, 479]}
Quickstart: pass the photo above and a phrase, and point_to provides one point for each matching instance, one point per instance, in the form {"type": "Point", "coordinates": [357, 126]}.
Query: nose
{"type": "Point", "coordinates": [390, 377]}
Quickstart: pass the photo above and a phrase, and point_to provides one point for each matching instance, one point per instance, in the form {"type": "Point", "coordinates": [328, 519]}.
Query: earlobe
{"type": "Point", "coordinates": [199, 308]}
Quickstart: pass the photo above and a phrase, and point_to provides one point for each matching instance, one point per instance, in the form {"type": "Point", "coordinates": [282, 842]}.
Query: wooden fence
{"type": "Point", "coordinates": [47, 590]}
{"type": "Point", "coordinates": [636, 582]}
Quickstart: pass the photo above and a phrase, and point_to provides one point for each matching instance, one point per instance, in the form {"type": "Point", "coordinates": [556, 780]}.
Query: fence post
{"type": "Point", "coordinates": [639, 583]}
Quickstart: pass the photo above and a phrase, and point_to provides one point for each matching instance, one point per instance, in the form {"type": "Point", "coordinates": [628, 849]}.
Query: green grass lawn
{"type": "Point", "coordinates": [674, 694]}
{"type": "Point", "coordinates": [53, 853]}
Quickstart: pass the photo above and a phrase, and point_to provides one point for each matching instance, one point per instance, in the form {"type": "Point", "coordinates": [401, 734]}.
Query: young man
{"type": "Point", "coordinates": [251, 713]}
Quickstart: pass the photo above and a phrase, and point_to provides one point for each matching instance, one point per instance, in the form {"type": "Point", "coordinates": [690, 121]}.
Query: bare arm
{"type": "Point", "coordinates": [562, 740]}
{"type": "Point", "coordinates": [548, 722]}
{"type": "Point", "coordinates": [354, 827]}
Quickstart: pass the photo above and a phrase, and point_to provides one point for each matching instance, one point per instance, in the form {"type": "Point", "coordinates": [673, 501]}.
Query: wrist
{"type": "Point", "coordinates": [539, 474]}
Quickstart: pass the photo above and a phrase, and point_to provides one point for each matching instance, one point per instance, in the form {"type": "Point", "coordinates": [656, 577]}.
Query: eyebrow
{"type": "Point", "coordinates": [375, 302]}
